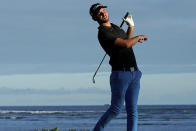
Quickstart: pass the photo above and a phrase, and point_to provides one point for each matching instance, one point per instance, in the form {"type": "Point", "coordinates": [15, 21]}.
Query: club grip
{"type": "Point", "coordinates": [124, 18]}
{"type": "Point", "coordinates": [126, 15]}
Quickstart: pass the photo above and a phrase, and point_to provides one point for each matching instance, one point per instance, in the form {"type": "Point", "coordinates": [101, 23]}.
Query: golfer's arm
{"type": "Point", "coordinates": [130, 31]}
{"type": "Point", "coordinates": [128, 42]}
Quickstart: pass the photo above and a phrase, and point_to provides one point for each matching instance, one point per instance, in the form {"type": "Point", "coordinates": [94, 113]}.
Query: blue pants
{"type": "Point", "coordinates": [125, 86]}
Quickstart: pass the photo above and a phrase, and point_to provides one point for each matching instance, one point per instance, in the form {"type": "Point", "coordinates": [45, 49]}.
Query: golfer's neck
{"type": "Point", "coordinates": [106, 24]}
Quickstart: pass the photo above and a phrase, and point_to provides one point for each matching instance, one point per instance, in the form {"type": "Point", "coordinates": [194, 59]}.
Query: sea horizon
{"type": "Point", "coordinates": [151, 117]}
{"type": "Point", "coordinates": [109, 104]}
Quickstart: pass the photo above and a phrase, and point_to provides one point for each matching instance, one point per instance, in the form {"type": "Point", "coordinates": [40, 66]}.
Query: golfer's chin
{"type": "Point", "coordinates": [105, 20]}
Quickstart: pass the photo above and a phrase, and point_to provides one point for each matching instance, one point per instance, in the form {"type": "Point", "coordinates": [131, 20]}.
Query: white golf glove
{"type": "Point", "coordinates": [129, 20]}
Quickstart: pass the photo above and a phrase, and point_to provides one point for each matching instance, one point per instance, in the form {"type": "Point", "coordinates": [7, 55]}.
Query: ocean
{"type": "Point", "coordinates": [151, 118]}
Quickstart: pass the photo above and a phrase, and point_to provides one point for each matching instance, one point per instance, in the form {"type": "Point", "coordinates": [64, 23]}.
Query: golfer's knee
{"type": "Point", "coordinates": [132, 112]}
{"type": "Point", "coordinates": [116, 109]}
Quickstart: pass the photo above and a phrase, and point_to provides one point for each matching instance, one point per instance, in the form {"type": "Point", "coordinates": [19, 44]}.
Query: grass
{"type": "Point", "coordinates": [56, 129]}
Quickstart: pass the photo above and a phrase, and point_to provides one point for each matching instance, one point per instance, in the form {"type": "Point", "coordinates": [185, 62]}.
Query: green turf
{"type": "Point", "coordinates": [56, 129]}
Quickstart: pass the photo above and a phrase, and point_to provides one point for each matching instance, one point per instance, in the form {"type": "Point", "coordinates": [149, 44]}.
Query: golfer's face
{"type": "Point", "coordinates": [103, 15]}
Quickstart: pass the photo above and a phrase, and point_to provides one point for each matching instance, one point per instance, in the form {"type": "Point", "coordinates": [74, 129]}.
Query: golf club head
{"type": "Point", "coordinates": [94, 80]}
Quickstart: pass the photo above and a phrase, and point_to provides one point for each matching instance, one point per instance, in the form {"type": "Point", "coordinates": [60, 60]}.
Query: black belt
{"type": "Point", "coordinates": [124, 69]}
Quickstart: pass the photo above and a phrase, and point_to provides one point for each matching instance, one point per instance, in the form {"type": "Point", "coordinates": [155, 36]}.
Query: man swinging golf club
{"type": "Point", "coordinates": [125, 75]}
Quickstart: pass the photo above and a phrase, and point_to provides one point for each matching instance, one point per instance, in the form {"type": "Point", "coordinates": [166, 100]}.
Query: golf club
{"type": "Point", "coordinates": [106, 53]}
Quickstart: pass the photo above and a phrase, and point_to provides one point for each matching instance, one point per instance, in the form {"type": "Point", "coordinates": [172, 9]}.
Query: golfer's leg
{"type": "Point", "coordinates": [118, 87]}
{"type": "Point", "coordinates": [131, 99]}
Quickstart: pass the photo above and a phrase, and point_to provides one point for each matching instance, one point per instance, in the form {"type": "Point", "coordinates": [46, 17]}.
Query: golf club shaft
{"type": "Point", "coordinates": [124, 18]}
{"type": "Point", "coordinates": [106, 53]}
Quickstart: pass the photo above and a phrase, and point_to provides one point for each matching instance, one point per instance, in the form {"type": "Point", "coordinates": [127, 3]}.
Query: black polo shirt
{"type": "Point", "coordinates": [120, 57]}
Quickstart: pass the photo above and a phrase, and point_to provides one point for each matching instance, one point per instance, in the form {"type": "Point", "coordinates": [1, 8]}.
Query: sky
{"type": "Point", "coordinates": [49, 51]}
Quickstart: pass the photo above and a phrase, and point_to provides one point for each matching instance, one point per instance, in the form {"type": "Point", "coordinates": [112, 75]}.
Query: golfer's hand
{"type": "Point", "coordinates": [142, 38]}
{"type": "Point", "coordinates": [129, 20]}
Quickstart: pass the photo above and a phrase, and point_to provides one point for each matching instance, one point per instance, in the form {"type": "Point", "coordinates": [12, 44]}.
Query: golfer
{"type": "Point", "coordinates": [125, 75]}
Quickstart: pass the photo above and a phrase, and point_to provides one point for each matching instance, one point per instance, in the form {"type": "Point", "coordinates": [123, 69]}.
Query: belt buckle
{"type": "Point", "coordinates": [132, 69]}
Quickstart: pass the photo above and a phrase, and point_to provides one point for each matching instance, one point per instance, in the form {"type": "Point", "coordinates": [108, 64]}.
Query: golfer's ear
{"type": "Point", "coordinates": [94, 18]}
{"type": "Point", "coordinates": [121, 42]}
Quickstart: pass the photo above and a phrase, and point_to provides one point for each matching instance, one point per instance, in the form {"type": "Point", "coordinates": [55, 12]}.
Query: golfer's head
{"type": "Point", "coordinates": [99, 13]}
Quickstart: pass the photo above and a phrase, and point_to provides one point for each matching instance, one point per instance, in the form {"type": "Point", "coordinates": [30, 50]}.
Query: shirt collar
{"type": "Point", "coordinates": [102, 27]}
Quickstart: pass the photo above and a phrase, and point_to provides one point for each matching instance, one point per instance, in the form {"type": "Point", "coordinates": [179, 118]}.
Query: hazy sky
{"type": "Point", "coordinates": [49, 51]}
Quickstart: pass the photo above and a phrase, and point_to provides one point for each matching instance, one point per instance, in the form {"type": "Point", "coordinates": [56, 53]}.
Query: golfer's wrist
{"type": "Point", "coordinates": [131, 27]}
